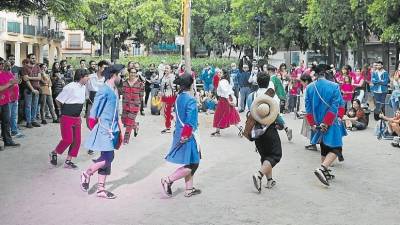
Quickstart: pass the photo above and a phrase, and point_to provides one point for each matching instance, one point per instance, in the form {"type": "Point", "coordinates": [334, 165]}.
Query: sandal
{"type": "Point", "coordinates": [191, 192]}
{"type": "Point", "coordinates": [105, 194]}
{"type": "Point", "coordinates": [85, 180]}
{"type": "Point", "coordinates": [257, 177]}
{"type": "Point", "coordinates": [215, 134]}
{"type": "Point", "coordinates": [240, 134]}
{"type": "Point", "coordinates": [270, 183]}
{"type": "Point", "coordinates": [166, 185]}
{"type": "Point", "coordinates": [53, 158]}
{"type": "Point", "coordinates": [136, 130]}
{"type": "Point", "coordinates": [166, 131]}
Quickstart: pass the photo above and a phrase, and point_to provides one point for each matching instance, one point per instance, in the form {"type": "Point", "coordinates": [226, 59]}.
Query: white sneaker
{"type": "Point", "coordinates": [320, 175]}
{"type": "Point", "coordinates": [270, 183]}
{"type": "Point", "coordinates": [257, 177]}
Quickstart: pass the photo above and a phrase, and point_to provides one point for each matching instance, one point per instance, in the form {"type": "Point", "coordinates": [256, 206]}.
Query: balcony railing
{"type": "Point", "coordinates": [13, 27]}
{"type": "Point", "coordinates": [59, 35]}
{"type": "Point", "coordinates": [42, 32]}
{"type": "Point", "coordinates": [74, 45]}
{"type": "Point", "coordinates": [29, 30]}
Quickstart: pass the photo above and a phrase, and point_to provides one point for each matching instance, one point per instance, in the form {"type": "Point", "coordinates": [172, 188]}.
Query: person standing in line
{"type": "Point", "coordinates": [168, 97]}
{"type": "Point", "coordinates": [106, 131]}
{"type": "Point", "coordinates": [132, 92]}
{"type": "Point", "coordinates": [58, 84]}
{"type": "Point", "coordinates": [244, 86]}
{"type": "Point", "coordinates": [8, 91]}
{"type": "Point", "coordinates": [234, 73]}
{"type": "Point", "coordinates": [46, 97]}
{"type": "Point", "coordinates": [380, 83]}
{"type": "Point", "coordinates": [185, 149]}
{"type": "Point", "coordinates": [32, 76]}
{"type": "Point", "coordinates": [71, 101]}
{"type": "Point", "coordinates": [14, 104]}
{"type": "Point", "coordinates": [149, 74]}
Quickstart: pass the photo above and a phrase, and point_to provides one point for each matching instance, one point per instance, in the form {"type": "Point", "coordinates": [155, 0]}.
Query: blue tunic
{"type": "Point", "coordinates": [330, 92]}
{"type": "Point", "coordinates": [105, 135]}
{"type": "Point", "coordinates": [186, 112]}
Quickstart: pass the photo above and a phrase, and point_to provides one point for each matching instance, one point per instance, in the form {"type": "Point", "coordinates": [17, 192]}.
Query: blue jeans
{"type": "Point", "coordinates": [31, 106]}
{"type": "Point", "coordinates": [244, 93]}
{"type": "Point", "coordinates": [379, 100]}
{"type": "Point", "coordinates": [13, 116]}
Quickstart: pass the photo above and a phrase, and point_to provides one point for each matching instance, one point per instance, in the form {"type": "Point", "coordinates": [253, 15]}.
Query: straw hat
{"type": "Point", "coordinates": [264, 110]}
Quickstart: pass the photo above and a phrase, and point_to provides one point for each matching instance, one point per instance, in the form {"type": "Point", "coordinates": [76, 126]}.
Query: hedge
{"type": "Point", "coordinates": [197, 63]}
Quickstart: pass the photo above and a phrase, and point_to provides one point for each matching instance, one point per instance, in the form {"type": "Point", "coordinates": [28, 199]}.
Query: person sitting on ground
{"type": "Point", "coordinates": [356, 117]}
{"type": "Point", "coordinates": [393, 123]}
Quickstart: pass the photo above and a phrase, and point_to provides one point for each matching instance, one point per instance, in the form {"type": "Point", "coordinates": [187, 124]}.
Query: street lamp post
{"type": "Point", "coordinates": [259, 19]}
{"type": "Point", "coordinates": [101, 18]}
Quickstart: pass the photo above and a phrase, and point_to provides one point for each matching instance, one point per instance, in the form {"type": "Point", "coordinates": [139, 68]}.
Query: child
{"type": "Point", "coordinates": [293, 95]}
{"type": "Point", "coordinates": [351, 113]}
{"type": "Point", "coordinates": [347, 91]}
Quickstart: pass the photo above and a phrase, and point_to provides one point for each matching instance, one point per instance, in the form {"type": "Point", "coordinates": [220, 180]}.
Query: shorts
{"type": "Point", "coordinates": [326, 149]}
{"type": "Point", "coordinates": [269, 146]}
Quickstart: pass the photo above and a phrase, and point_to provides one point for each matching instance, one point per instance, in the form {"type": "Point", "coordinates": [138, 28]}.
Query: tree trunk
{"type": "Point", "coordinates": [385, 56]}
{"type": "Point", "coordinates": [359, 55]}
{"type": "Point", "coordinates": [365, 53]}
{"type": "Point", "coordinates": [397, 55]}
{"type": "Point", "coordinates": [343, 55]}
{"type": "Point", "coordinates": [331, 51]}
{"type": "Point", "coordinates": [240, 53]}
{"type": "Point", "coordinates": [230, 51]}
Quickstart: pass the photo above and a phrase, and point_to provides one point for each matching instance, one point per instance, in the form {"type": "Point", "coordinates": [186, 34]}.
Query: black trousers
{"type": "Point", "coordinates": [147, 90]}
{"type": "Point", "coordinates": [5, 123]}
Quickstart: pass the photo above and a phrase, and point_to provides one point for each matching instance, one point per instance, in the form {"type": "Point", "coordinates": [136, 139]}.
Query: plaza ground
{"type": "Point", "coordinates": [365, 191]}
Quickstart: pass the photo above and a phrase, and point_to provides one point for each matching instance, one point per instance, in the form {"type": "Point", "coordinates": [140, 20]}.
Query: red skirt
{"type": "Point", "coordinates": [225, 115]}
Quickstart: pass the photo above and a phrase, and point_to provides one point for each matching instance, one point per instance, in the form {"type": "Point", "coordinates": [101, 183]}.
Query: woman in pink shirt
{"type": "Point", "coordinates": [347, 91]}
{"type": "Point", "coordinates": [358, 84]}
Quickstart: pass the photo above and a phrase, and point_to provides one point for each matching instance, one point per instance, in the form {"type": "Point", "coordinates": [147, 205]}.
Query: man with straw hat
{"type": "Point", "coordinates": [265, 110]}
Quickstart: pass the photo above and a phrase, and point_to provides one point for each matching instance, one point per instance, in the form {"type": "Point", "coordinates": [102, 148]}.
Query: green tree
{"type": "Point", "coordinates": [385, 16]}
{"type": "Point", "coordinates": [330, 25]}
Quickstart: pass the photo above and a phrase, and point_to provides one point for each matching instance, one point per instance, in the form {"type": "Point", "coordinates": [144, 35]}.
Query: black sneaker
{"type": "Point", "coordinates": [11, 144]}
{"type": "Point", "coordinates": [44, 122]}
{"type": "Point", "coordinates": [35, 124]}
{"type": "Point", "coordinates": [90, 152]}
{"type": "Point", "coordinates": [53, 158]}
{"type": "Point", "coordinates": [56, 121]}
{"type": "Point", "coordinates": [29, 125]}
{"type": "Point", "coordinates": [70, 165]}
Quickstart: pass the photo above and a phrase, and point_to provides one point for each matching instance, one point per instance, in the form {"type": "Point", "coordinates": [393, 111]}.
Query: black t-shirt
{"type": "Point", "coordinates": [148, 74]}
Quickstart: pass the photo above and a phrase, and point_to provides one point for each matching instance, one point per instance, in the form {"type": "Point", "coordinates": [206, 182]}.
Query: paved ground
{"type": "Point", "coordinates": [366, 189]}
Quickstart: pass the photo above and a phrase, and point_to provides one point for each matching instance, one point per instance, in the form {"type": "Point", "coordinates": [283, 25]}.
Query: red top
{"type": "Point", "coordinates": [131, 96]}
{"type": "Point", "coordinates": [347, 90]}
{"type": "Point", "coordinates": [10, 94]}
{"type": "Point", "coordinates": [295, 90]}
{"type": "Point", "coordinates": [32, 71]}
{"type": "Point", "coordinates": [216, 81]}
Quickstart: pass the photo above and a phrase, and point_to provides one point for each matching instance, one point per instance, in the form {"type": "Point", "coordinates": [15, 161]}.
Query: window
{"type": "Point", "coordinates": [26, 20]}
{"type": "Point", "coordinates": [2, 24]}
{"type": "Point", "coordinates": [74, 41]}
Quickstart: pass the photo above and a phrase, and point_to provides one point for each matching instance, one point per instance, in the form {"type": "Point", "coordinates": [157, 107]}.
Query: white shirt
{"type": "Point", "coordinates": [276, 98]}
{"type": "Point", "coordinates": [224, 89]}
{"type": "Point", "coordinates": [72, 93]}
{"type": "Point", "coordinates": [94, 83]}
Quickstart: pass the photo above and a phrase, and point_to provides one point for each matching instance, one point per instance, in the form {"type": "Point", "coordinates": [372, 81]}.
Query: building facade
{"type": "Point", "coordinates": [74, 44]}
{"type": "Point", "coordinates": [22, 35]}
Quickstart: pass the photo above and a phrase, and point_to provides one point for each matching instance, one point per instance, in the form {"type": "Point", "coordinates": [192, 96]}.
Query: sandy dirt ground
{"type": "Point", "coordinates": [365, 191]}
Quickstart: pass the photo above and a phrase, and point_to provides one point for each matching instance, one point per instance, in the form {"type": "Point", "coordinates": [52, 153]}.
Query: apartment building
{"type": "Point", "coordinates": [22, 35]}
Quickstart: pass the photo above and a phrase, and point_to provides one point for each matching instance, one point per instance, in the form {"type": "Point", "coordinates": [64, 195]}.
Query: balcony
{"type": "Point", "coordinates": [29, 30]}
{"type": "Point", "coordinates": [59, 35]}
{"type": "Point", "coordinates": [42, 32]}
{"type": "Point", "coordinates": [14, 27]}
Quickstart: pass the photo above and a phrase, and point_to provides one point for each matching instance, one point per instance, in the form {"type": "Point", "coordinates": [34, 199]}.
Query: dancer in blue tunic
{"type": "Point", "coordinates": [185, 148]}
{"type": "Point", "coordinates": [105, 135]}
{"type": "Point", "coordinates": [323, 102]}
